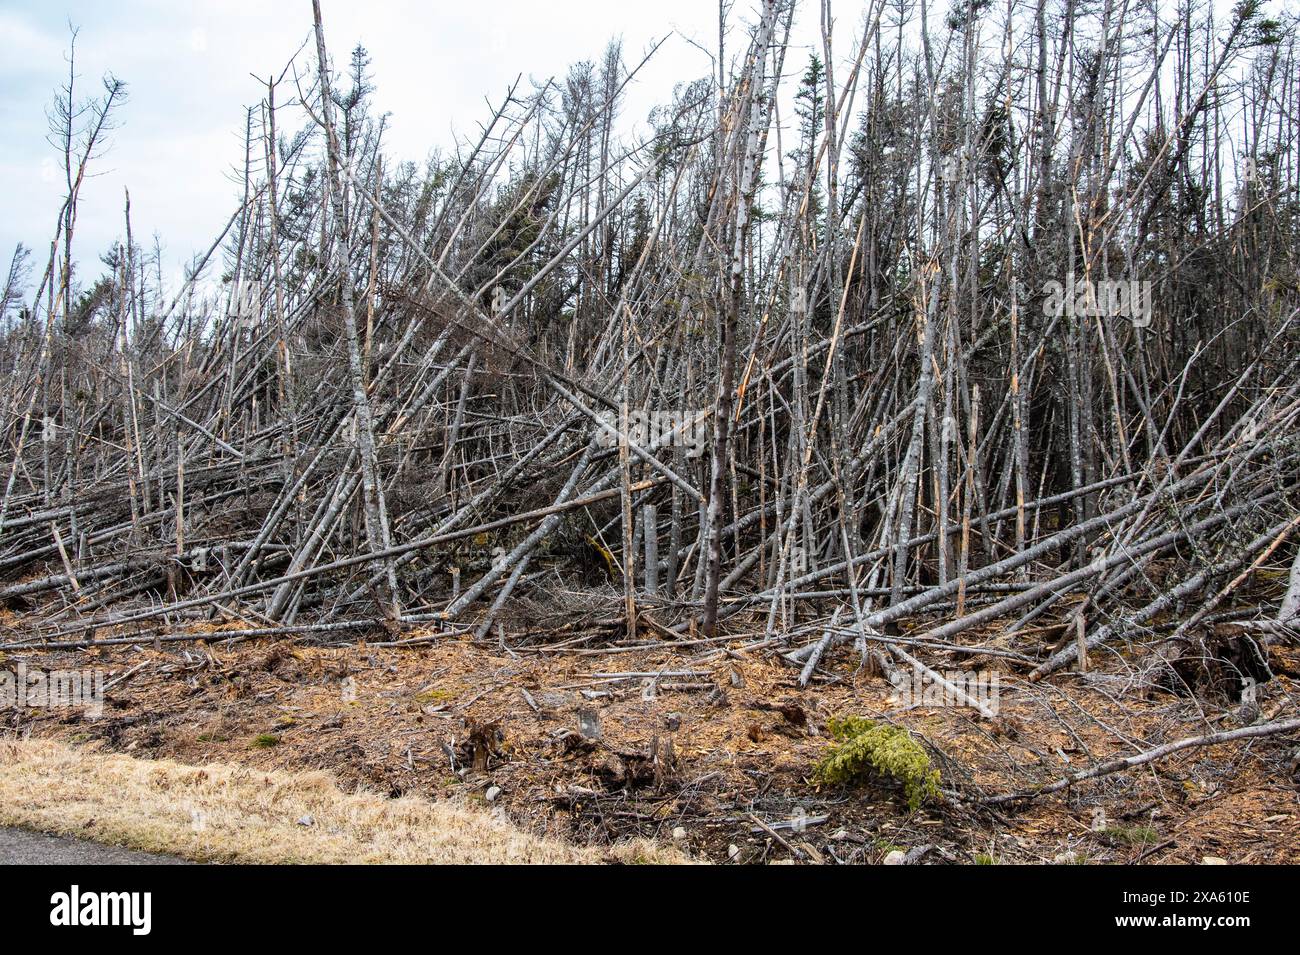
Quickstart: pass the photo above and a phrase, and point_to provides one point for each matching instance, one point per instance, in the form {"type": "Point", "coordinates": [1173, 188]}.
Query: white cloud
{"type": "Point", "coordinates": [192, 70]}
{"type": "Point", "coordinates": [24, 46]}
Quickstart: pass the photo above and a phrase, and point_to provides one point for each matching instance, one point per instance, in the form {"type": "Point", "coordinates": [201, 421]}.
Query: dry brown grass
{"type": "Point", "coordinates": [224, 813]}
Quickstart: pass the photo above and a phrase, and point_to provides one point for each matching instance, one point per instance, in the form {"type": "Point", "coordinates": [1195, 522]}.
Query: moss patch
{"type": "Point", "coordinates": [863, 747]}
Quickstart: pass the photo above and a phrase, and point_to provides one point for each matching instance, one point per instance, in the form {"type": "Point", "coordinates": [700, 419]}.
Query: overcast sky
{"type": "Point", "coordinates": [189, 66]}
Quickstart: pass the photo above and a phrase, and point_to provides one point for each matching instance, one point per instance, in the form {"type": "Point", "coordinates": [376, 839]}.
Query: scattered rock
{"type": "Point", "coordinates": [897, 857]}
{"type": "Point", "coordinates": [1213, 860]}
{"type": "Point", "coordinates": [492, 793]}
{"type": "Point", "coordinates": [916, 854]}
{"type": "Point", "coordinates": [307, 820]}
{"type": "Point", "coordinates": [679, 834]}
{"type": "Point", "coordinates": [589, 723]}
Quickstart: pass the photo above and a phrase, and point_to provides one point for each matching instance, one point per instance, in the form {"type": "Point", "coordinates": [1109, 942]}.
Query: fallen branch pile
{"type": "Point", "coordinates": [796, 379]}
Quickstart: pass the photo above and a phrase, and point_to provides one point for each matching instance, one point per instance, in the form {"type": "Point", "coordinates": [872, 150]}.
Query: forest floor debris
{"type": "Point", "coordinates": [707, 753]}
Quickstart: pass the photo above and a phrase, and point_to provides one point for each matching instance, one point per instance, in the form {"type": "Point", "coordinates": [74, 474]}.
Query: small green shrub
{"type": "Point", "coordinates": [1132, 835]}
{"type": "Point", "coordinates": [265, 740]}
{"type": "Point", "coordinates": [863, 747]}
